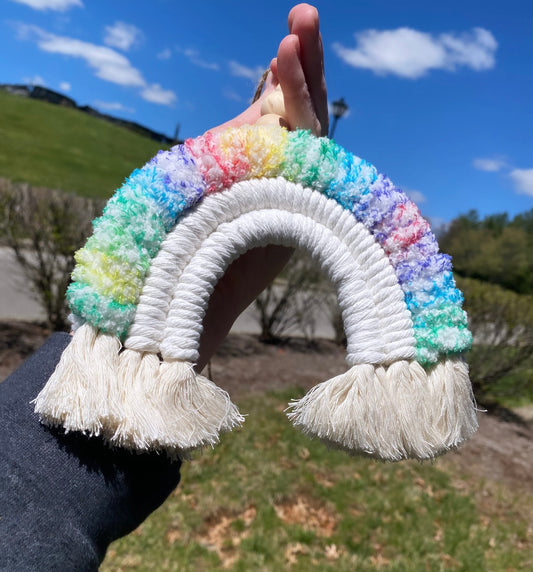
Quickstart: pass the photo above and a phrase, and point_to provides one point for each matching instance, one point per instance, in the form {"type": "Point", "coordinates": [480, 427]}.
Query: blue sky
{"type": "Point", "coordinates": [440, 93]}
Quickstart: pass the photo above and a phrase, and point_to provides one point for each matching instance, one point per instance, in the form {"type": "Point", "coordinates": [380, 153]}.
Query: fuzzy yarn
{"type": "Point", "coordinates": [112, 267]}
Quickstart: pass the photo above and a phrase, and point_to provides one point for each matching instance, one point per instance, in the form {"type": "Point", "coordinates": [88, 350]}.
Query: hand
{"type": "Point", "coordinates": [299, 69]}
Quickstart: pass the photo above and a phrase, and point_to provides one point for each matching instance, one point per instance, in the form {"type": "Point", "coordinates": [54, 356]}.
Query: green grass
{"type": "Point", "coordinates": [56, 147]}
{"type": "Point", "coordinates": [267, 498]}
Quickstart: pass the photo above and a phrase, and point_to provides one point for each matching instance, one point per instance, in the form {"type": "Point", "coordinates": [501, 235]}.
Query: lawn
{"type": "Point", "coordinates": [267, 498]}
{"type": "Point", "coordinates": [52, 146]}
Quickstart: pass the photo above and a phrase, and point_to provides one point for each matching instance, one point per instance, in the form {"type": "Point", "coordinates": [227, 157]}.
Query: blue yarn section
{"type": "Point", "coordinates": [352, 183]}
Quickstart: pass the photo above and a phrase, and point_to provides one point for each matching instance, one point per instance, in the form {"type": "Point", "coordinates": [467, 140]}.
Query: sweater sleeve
{"type": "Point", "coordinates": [65, 497]}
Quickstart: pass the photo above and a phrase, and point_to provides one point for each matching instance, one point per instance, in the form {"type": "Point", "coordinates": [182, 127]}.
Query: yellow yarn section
{"type": "Point", "coordinates": [110, 276]}
{"type": "Point", "coordinates": [263, 148]}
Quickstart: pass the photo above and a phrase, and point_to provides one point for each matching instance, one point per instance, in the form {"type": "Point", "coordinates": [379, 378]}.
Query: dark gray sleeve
{"type": "Point", "coordinates": [64, 498]}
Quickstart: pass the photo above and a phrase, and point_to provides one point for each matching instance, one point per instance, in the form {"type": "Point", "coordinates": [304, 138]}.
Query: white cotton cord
{"type": "Point", "coordinates": [83, 392]}
{"type": "Point", "coordinates": [391, 413]}
{"type": "Point", "coordinates": [194, 410]}
{"type": "Point", "coordinates": [194, 229]}
{"type": "Point", "coordinates": [147, 396]}
{"type": "Point", "coordinates": [183, 243]}
{"type": "Point", "coordinates": [454, 410]}
{"type": "Point", "coordinates": [142, 423]}
{"type": "Point", "coordinates": [132, 400]}
{"type": "Point", "coordinates": [274, 227]}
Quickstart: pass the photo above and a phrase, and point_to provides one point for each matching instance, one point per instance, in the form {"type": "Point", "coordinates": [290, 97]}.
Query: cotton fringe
{"type": "Point", "coordinates": [136, 401]}
{"type": "Point", "coordinates": [391, 412]}
{"type": "Point", "coordinates": [132, 399]}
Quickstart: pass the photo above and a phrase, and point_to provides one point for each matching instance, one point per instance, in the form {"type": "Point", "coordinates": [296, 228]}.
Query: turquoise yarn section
{"type": "Point", "coordinates": [113, 264]}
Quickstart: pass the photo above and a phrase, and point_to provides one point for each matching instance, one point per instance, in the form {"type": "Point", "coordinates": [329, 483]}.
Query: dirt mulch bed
{"type": "Point", "coordinates": [501, 451]}
{"type": "Point", "coordinates": [18, 340]}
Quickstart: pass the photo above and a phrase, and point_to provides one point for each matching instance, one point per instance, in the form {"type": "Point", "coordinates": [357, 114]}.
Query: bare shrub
{"type": "Point", "coordinates": [44, 228]}
{"type": "Point", "coordinates": [335, 317]}
{"type": "Point", "coordinates": [292, 301]}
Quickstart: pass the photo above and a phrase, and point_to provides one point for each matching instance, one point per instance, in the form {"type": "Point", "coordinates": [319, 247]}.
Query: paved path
{"type": "Point", "coordinates": [18, 302]}
{"type": "Point", "coordinates": [16, 298]}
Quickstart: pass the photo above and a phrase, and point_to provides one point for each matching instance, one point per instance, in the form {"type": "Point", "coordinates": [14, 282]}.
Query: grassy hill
{"type": "Point", "coordinates": [269, 499]}
{"type": "Point", "coordinates": [51, 146]}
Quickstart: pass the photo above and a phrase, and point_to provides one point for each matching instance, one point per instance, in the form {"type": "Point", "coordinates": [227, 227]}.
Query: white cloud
{"type": "Point", "coordinates": [65, 86]}
{"type": "Point", "coordinates": [156, 94]}
{"type": "Point", "coordinates": [416, 196]}
{"type": "Point", "coordinates": [122, 36]}
{"type": "Point", "coordinates": [473, 49]}
{"type": "Point", "coordinates": [107, 64]}
{"type": "Point", "coordinates": [411, 54]}
{"type": "Point", "coordinates": [489, 165]}
{"type": "Point", "coordinates": [112, 106]}
{"type": "Point", "coordinates": [34, 80]}
{"type": "Point", "coordinates": [239, 70]}
{"type": "Point", "coordinates": [57, 5]}
{"type": "Point", "coordinates": [164, 54]}
{"type": "Point", "coordinates": [523, 180]}
{"type": "Point", "coordinates": [194, 57]}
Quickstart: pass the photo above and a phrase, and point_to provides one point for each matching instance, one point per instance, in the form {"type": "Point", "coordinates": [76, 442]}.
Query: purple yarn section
{"type": "Point", "coordinates": [183, 180]}
{"type": "Point", "coordinates": [378, 204]}
{"type": "Point", "coordinates": [440, 325]}
{"type": "Point", "coordinates": [434, 264]}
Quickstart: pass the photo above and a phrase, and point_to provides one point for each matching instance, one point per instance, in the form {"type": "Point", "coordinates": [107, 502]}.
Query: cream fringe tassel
{"type": "Point", "coordinates": [132, 399]}
{"type": "Point", "coordinates": [391, 412]}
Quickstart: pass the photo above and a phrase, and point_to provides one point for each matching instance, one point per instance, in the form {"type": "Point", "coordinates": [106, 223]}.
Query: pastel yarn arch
{"type": "Point", "coordinates": [143, 281]}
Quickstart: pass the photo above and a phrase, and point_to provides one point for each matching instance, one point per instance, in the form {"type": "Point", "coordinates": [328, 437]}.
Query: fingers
{"type": "Point", "coordinates": [299, 107]}
{"type": "Point", "coordinates": [299, 68]}
{"type": "Point", "coordinates": [304, 23]}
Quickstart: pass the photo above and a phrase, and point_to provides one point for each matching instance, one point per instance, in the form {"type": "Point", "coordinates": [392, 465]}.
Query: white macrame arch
{"type": "Point", "coordinates": [385, 405]}
{"type": "Point", "coordinates": [254, 213]}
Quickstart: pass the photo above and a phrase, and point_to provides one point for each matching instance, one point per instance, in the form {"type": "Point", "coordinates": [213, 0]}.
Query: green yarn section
{"type": "Point", "coordinates": [311, 161]}
{"type": "Point", "coordinates": [113, 264]}
{"type": "Point", "coordinates": [438, 331]}
{"type": "Point", "coordinates": [101, 311]}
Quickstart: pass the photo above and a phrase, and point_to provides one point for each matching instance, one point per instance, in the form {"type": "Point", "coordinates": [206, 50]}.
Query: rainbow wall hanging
{"type": "Point", "coordinates": [143, 281]}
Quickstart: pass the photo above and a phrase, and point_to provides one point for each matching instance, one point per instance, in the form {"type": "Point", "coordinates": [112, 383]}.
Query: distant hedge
{"type": "Point", "coordinates": [495, 249]}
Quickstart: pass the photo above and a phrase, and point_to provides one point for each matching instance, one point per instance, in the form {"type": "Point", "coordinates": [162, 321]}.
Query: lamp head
{"type": "Point", "coordinates": [339, 107]}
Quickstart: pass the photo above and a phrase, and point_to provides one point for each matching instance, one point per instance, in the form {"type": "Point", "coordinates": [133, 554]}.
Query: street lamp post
{"type": "Point", "coordinates": [339, 108]}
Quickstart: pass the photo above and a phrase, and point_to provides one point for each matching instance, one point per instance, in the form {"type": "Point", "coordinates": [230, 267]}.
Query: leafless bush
{"type": "Point", "coordinates": [292, 301]}
{"type": "Point", "coordinates": [335, 317]}
{"type": "Point", "coordinates": [44, 228]}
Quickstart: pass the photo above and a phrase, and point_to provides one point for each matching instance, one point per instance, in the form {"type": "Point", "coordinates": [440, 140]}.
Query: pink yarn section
{"type": "Point", "coordinates": [409, 227]}
{"type": "Point", "coordinates": [220, 169]}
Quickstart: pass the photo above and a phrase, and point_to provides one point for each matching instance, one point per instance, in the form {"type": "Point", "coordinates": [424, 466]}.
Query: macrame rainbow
{"type": "Point", "coordinates": [143, 280]}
